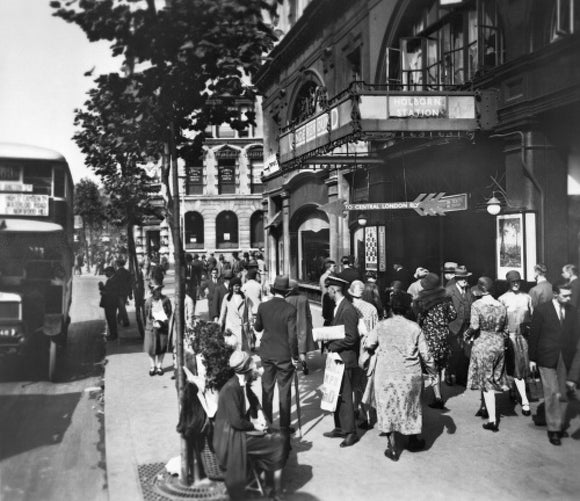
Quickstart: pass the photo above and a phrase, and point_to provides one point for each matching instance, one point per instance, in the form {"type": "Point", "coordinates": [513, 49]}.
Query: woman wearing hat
{"type": "Point", "coordinates": [240, 431]}
{"type": "Point", "coordinates": [234, 316]}
{"type": "Point", "coordinates": [487, 364]}
{"type": "Point", "coordinates": [435, 310]}
{"type": "Point", "coordinates": [157, 314]}
{"type": "Point", "coordinates": [519, 316]}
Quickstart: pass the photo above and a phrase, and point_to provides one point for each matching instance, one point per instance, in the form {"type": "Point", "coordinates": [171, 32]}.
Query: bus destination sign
{"type": "Point", "coordinates": [20, 204]}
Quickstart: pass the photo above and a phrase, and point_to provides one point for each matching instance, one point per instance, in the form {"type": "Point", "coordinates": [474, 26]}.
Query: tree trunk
{"type": "Point", "coordinates": [138, 282]}
{"type": "Point", "coordinates": [173, 220]}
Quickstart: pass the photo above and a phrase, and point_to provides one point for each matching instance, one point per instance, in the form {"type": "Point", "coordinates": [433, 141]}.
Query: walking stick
{"type": "Point", "coordinates": [298, 409]}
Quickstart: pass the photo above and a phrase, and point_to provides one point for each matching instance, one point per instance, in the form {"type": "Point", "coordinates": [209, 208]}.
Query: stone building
{"type": "Point", "coordinates": [397, 125]}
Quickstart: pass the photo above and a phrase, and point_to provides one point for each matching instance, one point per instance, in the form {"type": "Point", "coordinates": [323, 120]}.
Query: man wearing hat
{"type": "Point", "coordinates": [344, 314]}
{"type": "Point", "coordinates": [449, 273]}
{"type": "Point", "coordinates": [217, 293]}
{"type": "Point", "coordinates": [278, 350]}
{"type": "Point", "coordinates": [519, 315]}
{"type": "Point", "coordinates": [110, 301]}
{"type": "Point", "coordinates": [124, 279]}
{"type": "Point", "coordinates": [462, 299]}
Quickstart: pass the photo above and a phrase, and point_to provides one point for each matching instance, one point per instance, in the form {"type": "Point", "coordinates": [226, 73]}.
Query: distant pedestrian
{"type": "Point", "coordinates": [348, 272]}
{"type": "Point", "coordinates": [79, 262]}
{"type": "Point", "coordinates": [110, 301]}
{"type": "Point", "coordinates": [448, 271]}
{"type": "Point", "coordinates": [435, 311]}
{"type": "Point", "coordinates": [401, 350]}
{"type": "Point", "coordinates": [125, 284]}
{"type": "Point", "coordinates": [542, 291]}
{"type": "Point", "coordinates": [157, 314]}
{"type": "Point", "coordinates": [278, 351]}
{"type": "Point", "coordinates": [553, 344]}
{"type": "Point", "coordinates": [372, 295]}
{"type": "Point", "coordinates": [234, 316]}
{"type": "Point", "coordinates": [402, 274]}
{"type": "Point", "coordinates": [252, 289]}
{"type": "Point", "coordinates": [325, 300]}
{"type": "Point", "coordinates": [487, 365]}
{"type": "Point", "coordinates": [570, 274]}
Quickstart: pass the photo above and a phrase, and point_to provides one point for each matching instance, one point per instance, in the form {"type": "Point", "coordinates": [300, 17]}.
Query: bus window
{"type": "Point", "coordinates": [40, 177]}
{"type": "Point", "coordinates": [59, 182]}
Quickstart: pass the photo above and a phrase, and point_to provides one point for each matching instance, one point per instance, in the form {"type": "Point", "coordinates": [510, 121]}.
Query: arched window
{"type": "Point", "coordinates": [257, 230]}
{"type": "Point", "coordinates": [226, 229]}
{"type": "Point", "coordinates": [308, 101]}
{"type": "Point", "coordinates": [442, 45]}
{"type": "Point", "coordinates": [227, 159]}
{"type": "Point", "coordinates": [193, 226]}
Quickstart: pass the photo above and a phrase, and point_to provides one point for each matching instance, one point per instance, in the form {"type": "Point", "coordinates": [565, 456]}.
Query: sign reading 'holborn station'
{"type": "Point", "coordinates": [365, 113]}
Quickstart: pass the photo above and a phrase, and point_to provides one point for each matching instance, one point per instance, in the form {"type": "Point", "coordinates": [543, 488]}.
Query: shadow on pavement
{"type": "Point", "coordinates": [54, 414]}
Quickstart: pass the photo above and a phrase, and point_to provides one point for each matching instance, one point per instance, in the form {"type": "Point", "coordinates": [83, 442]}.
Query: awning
{"type": "Point", "coordinates": [28, 226]}
{"type": "Point", "coordinates": [276, 220]}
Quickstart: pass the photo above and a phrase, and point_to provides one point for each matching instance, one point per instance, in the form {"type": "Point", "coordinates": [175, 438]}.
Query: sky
{"type": "Point", "coordinates": [42, 62]}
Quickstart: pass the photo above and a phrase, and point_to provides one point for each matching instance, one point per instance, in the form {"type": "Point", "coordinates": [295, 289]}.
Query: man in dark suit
{"type": "Point", "coordinates": [217, 292]}
{"type": "Point", "coordinates": [344, 314]}
{"type": "Point", "coordinates": [348, 273]}
{"type": "Point", "coordinates": [278, 350]}
{"type": "Point", "coordinates": [552, 346]}
{"type": "Point", "coordinates": [462, 298]}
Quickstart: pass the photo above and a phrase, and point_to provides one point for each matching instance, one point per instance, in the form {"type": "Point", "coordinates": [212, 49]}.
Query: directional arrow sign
{"type": "Point", "coordinates": [426, 204]}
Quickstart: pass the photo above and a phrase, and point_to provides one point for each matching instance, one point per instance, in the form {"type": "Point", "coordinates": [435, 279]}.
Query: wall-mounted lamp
{"type": "Point", "coordinates": [493, 206]}
{"type": "Point", "coordinates": [362, 219]}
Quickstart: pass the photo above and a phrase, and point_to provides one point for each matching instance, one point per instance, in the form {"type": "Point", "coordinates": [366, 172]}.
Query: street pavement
{"type": "Point", "coordinates": [461, 460]}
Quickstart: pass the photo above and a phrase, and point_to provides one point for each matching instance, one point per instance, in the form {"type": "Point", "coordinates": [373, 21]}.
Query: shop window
{"type": "Point", "coordinates": [194, 181]}
{"type": "Point", "coordinates": [194, 230]}
{"type": "Point", "coordinates": [226, 229]}
{"type": "Point", "coordinates": [257, 230]}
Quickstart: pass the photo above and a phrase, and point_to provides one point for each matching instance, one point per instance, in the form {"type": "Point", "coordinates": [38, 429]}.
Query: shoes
{"type": "Point", "coordinates": [563, 434]}
{"type": "Point", "coordinates": [159, 371]}
{"type": "Point", "coordinates": [365, 425]}
{"type": "Point", "coordinates": [491, 426]}
{"type": "Point", "coordinates": [351, 439]}
{"type": "Point", "coordinates": [415, 444]}
{"type": "Point", "coordinates": [152, 371]}
{"type": "Point", "coordinates": [526, 411]}
{"type": "Point", "coordinates": [391, 454]}
{"type": "Point", "coordinates": [482, 413]}
{"type": "Point", "coordinates": [438, 403]}
{"type": "Point", "coordinates": [554, 437]}
{"type": "Point", "coordinates": [305, 369]}
{"type": "Point", "coordinates": [336, 433]}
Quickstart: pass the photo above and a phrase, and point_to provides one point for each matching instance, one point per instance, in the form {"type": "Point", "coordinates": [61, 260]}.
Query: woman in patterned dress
{"type": "Point", "coordinates": [400, 347]}
{"type": "Point", "coordinates": [487, 364]}
{"type": "Point", "coordinates": [435, 310]}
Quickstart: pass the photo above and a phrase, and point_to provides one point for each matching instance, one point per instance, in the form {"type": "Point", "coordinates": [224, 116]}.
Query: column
{"type": "Point", "coordinates": [286, 232]}
{"type": "Point", "coordinates": [333, 220]}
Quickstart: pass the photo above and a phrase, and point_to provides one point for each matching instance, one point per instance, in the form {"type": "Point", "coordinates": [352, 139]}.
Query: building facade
{"type": "Point", "coordinates": [394, 123]}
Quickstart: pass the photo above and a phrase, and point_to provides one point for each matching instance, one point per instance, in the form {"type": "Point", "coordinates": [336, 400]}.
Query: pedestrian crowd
{"type": "Point", "coordinates": [423, 330]}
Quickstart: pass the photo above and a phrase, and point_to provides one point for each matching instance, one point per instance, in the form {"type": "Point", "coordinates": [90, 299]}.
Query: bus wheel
{"type": "Point", "coordinates": [52, 360]}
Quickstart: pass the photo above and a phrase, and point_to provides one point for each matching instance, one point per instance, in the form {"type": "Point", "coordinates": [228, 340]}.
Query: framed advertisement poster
{"type": "Point", "coordinates": [516, 244]}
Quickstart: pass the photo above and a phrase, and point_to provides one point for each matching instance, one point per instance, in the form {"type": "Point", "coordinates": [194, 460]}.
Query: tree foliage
{"type": "Point", "coordinates": [89, 204]}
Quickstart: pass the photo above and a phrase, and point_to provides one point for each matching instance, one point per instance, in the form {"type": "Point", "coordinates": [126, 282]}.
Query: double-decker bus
{"type": "Point", "coordinates": [36, 251]}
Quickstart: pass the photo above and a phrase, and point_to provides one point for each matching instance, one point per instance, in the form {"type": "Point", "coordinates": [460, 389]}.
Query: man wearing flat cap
{"type": "Point", "coordinates": [278, 350]}
{"type": "Point", "coordinates": [344, 314]}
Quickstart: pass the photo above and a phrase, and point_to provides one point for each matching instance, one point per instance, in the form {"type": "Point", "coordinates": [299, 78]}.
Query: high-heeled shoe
{"type": "Point", "coordinates": [392, 454]}
{"type": "Point", "coordinates": [438, 403]}
{"type": "Point", "coordinates": [491, 426]}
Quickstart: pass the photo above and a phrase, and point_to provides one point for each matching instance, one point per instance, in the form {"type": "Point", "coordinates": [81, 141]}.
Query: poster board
{"type": "Point", "coordinates": [330, 388]}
